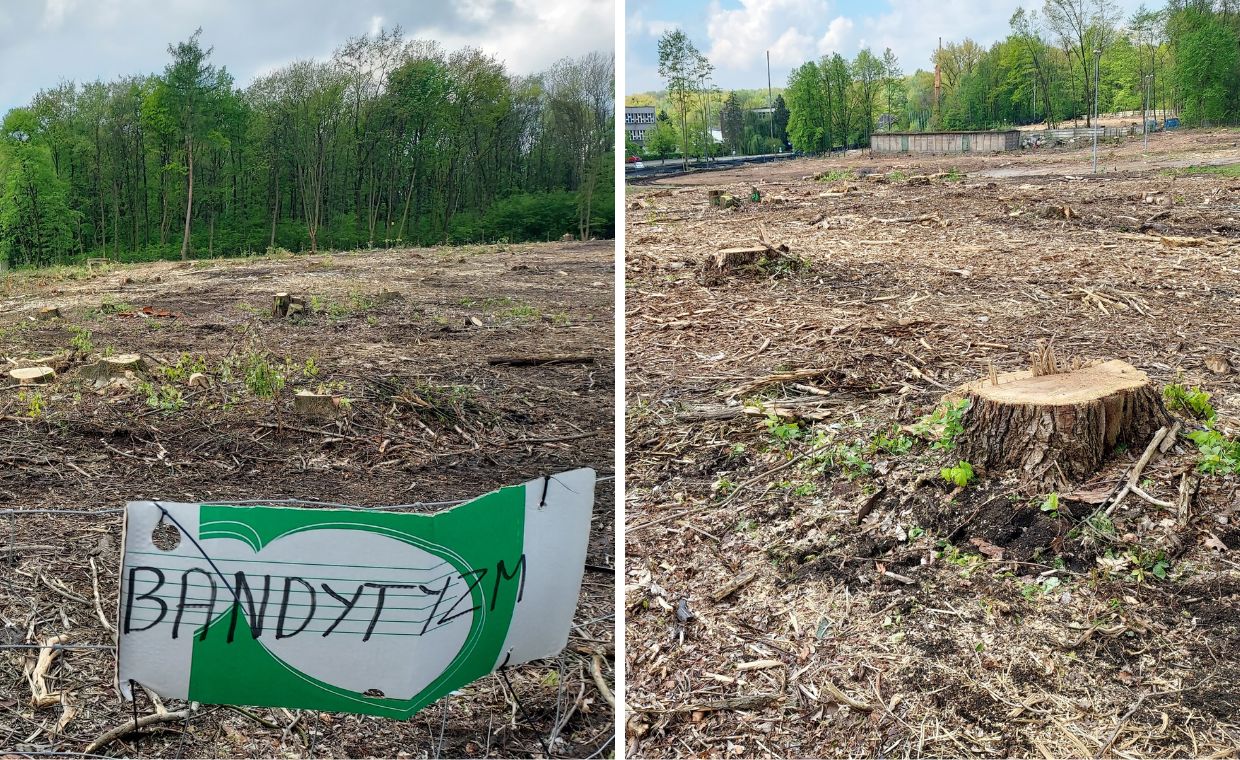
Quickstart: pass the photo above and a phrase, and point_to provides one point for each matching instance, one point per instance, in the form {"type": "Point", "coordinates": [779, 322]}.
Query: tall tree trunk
{"type": "Point", "coordinates": [275, 209]}
{"type": "Point", "coordinates": [189, 198]}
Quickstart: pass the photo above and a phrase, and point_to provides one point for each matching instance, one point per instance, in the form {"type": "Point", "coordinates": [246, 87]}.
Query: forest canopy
{"type": "Point", "coordinates": [390, 142]}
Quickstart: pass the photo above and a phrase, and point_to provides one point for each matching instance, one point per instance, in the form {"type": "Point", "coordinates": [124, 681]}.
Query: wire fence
{"type": "Point", "coordinates": [13, 513]}
{"type": "Point", "coordinates": [265, 502]}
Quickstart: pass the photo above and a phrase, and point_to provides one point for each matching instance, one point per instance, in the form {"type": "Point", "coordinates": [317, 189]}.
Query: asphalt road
{"type": "Point", "coordinates": [674, 165]}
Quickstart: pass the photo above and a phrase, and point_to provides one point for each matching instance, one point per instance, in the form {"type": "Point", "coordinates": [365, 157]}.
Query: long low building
{"type": "Point", "coordinates": [945, 142]}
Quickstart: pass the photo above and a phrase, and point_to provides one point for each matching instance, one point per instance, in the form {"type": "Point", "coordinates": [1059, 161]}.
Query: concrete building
{"type": "Point", "coordinates": [945, 142]}
{"type": "Point", "coordinates": [637, 121]}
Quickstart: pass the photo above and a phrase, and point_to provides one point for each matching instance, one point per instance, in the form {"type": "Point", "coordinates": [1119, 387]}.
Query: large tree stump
{"type": "Point", "coordinates": [1058, 427]}
{"type": "Point", "coordinates": [111, 367]}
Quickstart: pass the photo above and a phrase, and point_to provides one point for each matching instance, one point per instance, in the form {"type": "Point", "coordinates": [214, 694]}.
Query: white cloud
{"type": "Point", "coordinates": [537, 33]}
{"type": "Point", "coordinates": [376, 25]}
{"type": "Point", "coordinates": [740, 37]}
{"type": "Point", "coordinates": [636, 24]}
{"type": "Point", "coordinates": [43, 42]}
{"type": "Point", "coordinates": [54, 12]}
{"type": "Point", "coordinates": [838, 31]}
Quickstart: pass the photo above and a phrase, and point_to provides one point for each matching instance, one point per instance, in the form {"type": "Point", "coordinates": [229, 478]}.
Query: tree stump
{"type": "Point", "coordinates": [315, 405]}
{"type": "Point", "coordinates": [111, 367]}
{"type": "Point", "coordinates": [1058, 427]}
{"type": "Point", "coordinates": [33, 375]}
{"type": "Point", "coordinates": [285, 305]}
{"type": "Point", "coordinates": [712, 196]}
{"type": "Point", "coordinates": [48, 313]}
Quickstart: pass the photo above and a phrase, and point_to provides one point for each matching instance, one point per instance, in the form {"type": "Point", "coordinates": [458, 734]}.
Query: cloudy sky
{"type": "Point", "coordinates": [735, 34]}
{"type": "Point", "coordinates": [45, 41]}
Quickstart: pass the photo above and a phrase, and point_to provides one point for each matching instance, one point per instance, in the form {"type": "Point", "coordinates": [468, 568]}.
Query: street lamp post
{"type": "Point", "coordinates": [1097, 58]}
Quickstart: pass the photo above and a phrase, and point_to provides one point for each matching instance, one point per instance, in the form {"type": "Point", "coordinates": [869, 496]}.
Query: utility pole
{"type": "Point", "coordinates": [1097, 58]}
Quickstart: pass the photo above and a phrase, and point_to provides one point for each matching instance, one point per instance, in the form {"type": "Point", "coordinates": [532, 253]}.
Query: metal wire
{"type": "Point", "coordinates": [57, 646]}
{"type": "Point", "coordinates": [312, 502]}
{"type": "Point", "coordinates": [49, 753]}
{"type": "Point", "coordinates": [528, 720]}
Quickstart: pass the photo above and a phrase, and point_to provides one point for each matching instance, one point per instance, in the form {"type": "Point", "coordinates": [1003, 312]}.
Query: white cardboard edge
{"type": "Point", "coordinates": [172, 678]}
{"type": "Point", "coordinates": [557, 534]}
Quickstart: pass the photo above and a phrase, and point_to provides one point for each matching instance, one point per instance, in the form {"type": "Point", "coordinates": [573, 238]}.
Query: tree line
{"type": "Point", "coordinates": [751, 122]}
{"type": "Point", "coordinates": [390, 142]}
{"type": "Point", "coordinates": [1181, 60]}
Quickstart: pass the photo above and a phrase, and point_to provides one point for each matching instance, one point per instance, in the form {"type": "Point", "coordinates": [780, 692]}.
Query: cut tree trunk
{"type": "Point", "coordinates": [48, 312]}
{"type": "Point", "coordinates": [110, 367]}
{"type": "Point", "coordinates": [315, 405]}
{"type": "Point", "coordinates": [1058, 428]}
{"type": "Point", "coordinates": [285, 305]}
{"type": "Point", "coordinates": [33, 375]}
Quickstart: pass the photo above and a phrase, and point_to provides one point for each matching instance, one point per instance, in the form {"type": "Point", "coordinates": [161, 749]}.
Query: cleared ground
{"type": "Point", "coordinates": [801, 580]}
{"type": "Point", "coordinates": [406, 336]}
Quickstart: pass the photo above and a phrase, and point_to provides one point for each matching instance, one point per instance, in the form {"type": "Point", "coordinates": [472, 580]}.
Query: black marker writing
{"type": "Point", "coordinates": [348, 605]}
{"type": "Point", "coordinates": [288, 583]}
{"type": "Point", "coordinates": [163, 606]}
{"type": "Point", "coordinates": [256, 617]}
{"type": "Point", "coordinates": [182, 604]}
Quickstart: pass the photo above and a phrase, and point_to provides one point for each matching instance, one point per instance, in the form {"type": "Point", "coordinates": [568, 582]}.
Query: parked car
{"type": "Point", "coordinates": [632, 160]}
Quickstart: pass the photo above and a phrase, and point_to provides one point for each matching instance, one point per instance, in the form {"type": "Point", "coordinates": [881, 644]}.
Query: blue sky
{"type": "Point", "coordinates": [45, 41]}
{"type": "Point", "coordinates": [735, 34]}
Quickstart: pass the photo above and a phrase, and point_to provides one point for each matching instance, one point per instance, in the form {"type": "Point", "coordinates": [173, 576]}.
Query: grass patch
{"type": "Point", "coordinates": [1224, 170]}
{"type": "Point", "coordinates": [522, 311]}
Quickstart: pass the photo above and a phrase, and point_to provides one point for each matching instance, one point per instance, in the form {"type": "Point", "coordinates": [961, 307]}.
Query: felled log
{"type": "Point", "coordinates": [533, 361]}
{"type": "Point", "coordinates": [33, 375]}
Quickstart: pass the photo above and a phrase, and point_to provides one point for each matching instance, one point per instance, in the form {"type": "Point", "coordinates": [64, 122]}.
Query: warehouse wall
{"type": "Point", "coordinates": [945, 142]}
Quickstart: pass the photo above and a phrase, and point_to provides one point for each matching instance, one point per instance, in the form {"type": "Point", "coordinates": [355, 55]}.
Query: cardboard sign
{"type": "Point", "coordinates": [348, 610]}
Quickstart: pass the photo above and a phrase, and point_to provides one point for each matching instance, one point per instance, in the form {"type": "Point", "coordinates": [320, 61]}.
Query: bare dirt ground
{"type": "Point", "coordinates": [801, 581]}
{"type": "Point", "coordinates": [429, 420]}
